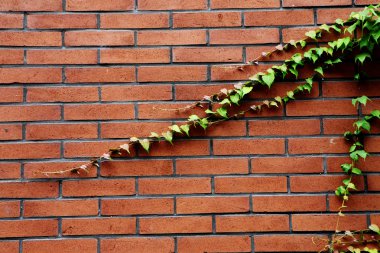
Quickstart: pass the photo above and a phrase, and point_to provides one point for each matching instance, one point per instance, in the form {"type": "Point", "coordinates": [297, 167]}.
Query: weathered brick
{"type": "Point", "coordinates": [287, 165]}
{"type": "Point", "coordinates": [241, 4]}
{"type": "Point", "coordinates": [202, 54]}
{"type": "Point", "coordinates": [100, 75]}
{"type": "Point", "coordinates": [10, 132]}
{"type": "Point", "coordinates": [174, 186]}
{"type": "Point", "coordinates": [290, 203]}
{"type": "Point", "coordinates": [172, 5]}
{"type": "Point", "coordinates": [244, 36]}
{"type": "Point", "coordinates": [30, 75]}
{"type": "Point", "coordinates": [292, 243]}
{"type": "Point", "coordinates": [134, 21]}
{"type": "Point", "coordinates": [176, 225]}
{"type": "Point", "coordinates": [31, 5]}
{"type": "Point", "coordinates": [60, 246]}
{"type": "Point", "coordinates": [137, 168]}
{"type": "Point", "coordinates": [11, 56]}
{"type": "Point", "coordinates": [29, 150]}
{"type": "Point", "coordinates": [201, 244]}
{"type": "Point", "coordinates": [98, 111]}
{"type": "Point", "coordinates": [28, 228]}
{"type": "Point", "coordinates": [99, 5]}
{"type": "Point", "coordinates": [98, 226]}
{"type": "Point", "coordinates": [62, 94]}
{"type": "Point", "coordinates": [250, 184]}
{"type": "Point", "coordinates": [10, 170]}
{"type": "Point", "coordinates": [62, 56]}
{"type": "Point", "coordinates": [252, 223]}
{"type": "Point", "coordinates": [11, 21]}
{"type": "Point", "coordinates": [31, 39]}
{"type": "Point", "coordinates": [61, 21]}
{"type": "Point", "coordinates": [206, 19]}
{"type": "Point", "coordinates": [135, 206]}
{"type": "Point", "coordinates": [249, 146]}
{"type": "Point", "coordinates": [135, 55]}
{"type": "Point", "coordinates": [137, 244]}
{"type": "Point", "coordinates": [99, 38]}
{"type": "Point", "coordinates": [9, 209]}
{"type": "Point", "coordinates": [269, 18]}
{"type": "Point", "coordinates": [300, 3]}
{"type": "Point", "coordinates": [98, 188]}
{"type": "Point", "coordinates": [181, 37]}
{"type": "Point", "coordinates": [211, 166]}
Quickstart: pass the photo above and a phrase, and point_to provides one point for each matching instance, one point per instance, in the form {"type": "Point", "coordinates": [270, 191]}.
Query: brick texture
{"type": "Point", "coordinates": [78, 77]}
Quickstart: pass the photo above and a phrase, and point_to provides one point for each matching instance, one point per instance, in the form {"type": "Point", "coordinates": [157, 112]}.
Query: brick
{"type": "Point", "coordinates": [29, 150]}
{"type": "Point", "coordinates": [42, 208]}
{"type": "Point", "coordinates": [191, 205]}
{"type": "Point", "coordinates": [140, 206]}
{"type": "Point", "coordinates": [371, 164]}
{"type": "Point", "coordinates": [181, 37]}
{"type": "Point", "coordinates": [338, 126]}
{"type": "Point", "coordinates": [28, 228]}
{"type": "Point", "coordinates": [11, 56]}
{"type": "Point", "coordinates": [134, 21]}
{"type": "Point", "coordinates": [90, 188]}
{"type": "Point", "coordinates": [98, 111]}
{"type": "Point", "coordinates": [253, 52]}
{"type": "Point", "coordinates": [30, 75]}
{"type": "Point", "coordinates": [10, 246]}
{"type": "Point", "coordinates": [372, 182]}
{"type": "Point", "coordinates": [284, 127]}
{"type": "Point", "coordinates": [252, 223]}
{"type": "Point", "coordinates": [30, 113]}
{"type": "Point", "coordinates": [61, 21]}
{"type": "Point", "coordinates": [176, 225]}
{"type": "Point", "coordinates": [289, 203]}
{"type": "Point", "coordinates": [137, 168]}
{"type": "Point", "coordinates": [62, 94]}
{"type": "Point", "coordinates": [229, 128]}
{"type": "Point", "coordinates": [249, 146]}
{"type": "Point", "coordinates": [292, 243]}
{"type": "Point", "coordinates": [320, 183]}
{"type": "Point", "coordinates": [61, 131]}
{"type": "Point", "coordinates": [295, 33]}
{"type": "Point", "coordinates": [200, 244]}
{"type": "Point", "coordinates": [242, 4]}
{"type": "Point", "coordinates": [99, 38]}
{"type": "Point", "coordinates": [9, 209]}
{"type": "Point", "coordinates": [130, 129]}
{"type": "Point", "coordinates": [244, 36]}
{"type": "Point", "coordinates": [365, 2]}
{"type": "Point", "coordinates": [10, 132]}
{"type": "Point", "coordinates": [210, 54]}
{"type": "Point", "coordinates": [172, 5]}
{"type": "Point", "coordinates": [11, 94]}
{"type": "Point", "coordinates": [137, 93]}
{"type": "Point", "coordinates": [375, 219]}
{"type": "Point", "coordinates": [317, 145]}
{"type": "Point", "coordinates": [62, 57]}
{"type": "Point", "coordinates": [100, 75]}
{"type": "Point", "coordinates": [211, 166]}
{"type": "Point", "coordinates": [328, 16]}
{"type": "Point", "coordinates": [174, 186]}
{"type": "Point", "coordinates": [287, 165]}
{"type": "Point", "coordinates": [61, 246]}
{"type": "Point", "coordinates": [172, 73]}
{"type": "Point", "coordinates": [250, 184]}
{"type": "Point", "coordinates": [362, 202]}
{"type": "Point", "coordinates": [167, 111]}
{"type": "Point", "coordinates": [31, 39]}
{"type": "Point", "coordinates": [350, 89]}
{"type": "Point", "coordinates": [135, 55]}
{"type": "Point", "coordinates": [316, 108]}
{"type": "Point", "coordinates": [28, 189]}
{"type": "Point", "coordinates": [99, 226]}
{"type": "Point", "coordinates": [300, 3]}
{"type": "Point", "coordinates": [37, 169]}
{"type": "Point", "coordinates": [180, 148]}
{"type": "Point", "coordinates": [31, 5]}
{"type": "Point", "coordinates": [323, 222]}
{"type": "Point", "coordinates": [288, 17]}
{"type": "Point", "coordinates": [10, 170]}
{"type": "Point", "coordinates": [11, 21]}
{"type": "Point", "coordinates": [99, 5]}
{"type": "Point", "coordinates": [206, 19]}
{"type": "Point", "coordinates": [87, 149]}
{"type": "Point", "coordinates": [197, 91]}
{"type": "Point", "coordinates": [232, 73]}
{"type": "Point", "coordinates": [137, 244]}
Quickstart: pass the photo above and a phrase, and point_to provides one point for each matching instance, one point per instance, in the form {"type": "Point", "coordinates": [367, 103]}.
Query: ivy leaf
{"type": "Point", "coordinates": [203, 123]}
{"type": "Point", "coordinates": [339, 22]}
{"type": "Point", "coordinates": [268, 79]}
{"type": "Point", "coordinates": [356, 171]}
{"type": "Point", "coordinates": [222, 112]}
{"type": "Point", "coordinates": [145, 144]}
{"type": "Point", "coordinates": [279, 99]}
{"type": "Point", "coordinates": [363, 124]}
{"type": "Point", "coordinates": [185, 128]}
{"type": "Point", "coordinates": [319, 70]}
{"type": "Point", "coordinates": [176, 129]}
{"type": "Point", "coordinates": [362, 57]}
{"type": "Point", "coordinates": [302, 43]}
{"type": "Point", "coordinates": [193, 118]}
{"type": "Point", "coordinates": [325, 27]}
{"type": "Point", "coordinates": [246, 90]}
{"type": "Point", "coordinates": [297, 58]}
{"type": "Point", "coordinates": [225, 101]}
{"type": "Point", "coordinates": [374, 228]}
{"type": "Point", "coordinates": [208, 111]}
{"type": "Point", "coordinates": [125, 147]}
{"type": "Point", "coordinates": [362, 100]}
{"type": "Point", "coordinates": [290, 94]}
{"type": "Point", "coordinates": [352, 28]}
{"type": "Point", "coordinates": [168, 136]}
{"type": "Point", "coordinates": [235, 99]}
{"type": "Point", "coordinates": [312, 35]}
{"type": "Point", "coordinates": [134, 139]}
{"type": "Point", "coordinates": [376, 113]}
{"type": "Point", "coordinates": [346, 167]}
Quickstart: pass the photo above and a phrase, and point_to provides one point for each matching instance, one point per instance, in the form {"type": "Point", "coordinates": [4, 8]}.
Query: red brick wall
{"type": "Point", "coordinates": [80, 76]}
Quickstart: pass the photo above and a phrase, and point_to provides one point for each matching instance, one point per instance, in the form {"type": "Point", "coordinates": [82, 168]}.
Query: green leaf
{"type": "Point", "coordinates": [193, 118]}
{"type": "Point", "coordinates": [145, 144]}
{"type": "Point", "coordinates": [312, 35]}
{"type": "Point", "coordinates": [339, 22]}
{"type": "Point", "coordinates": [351, 186]}
{"type": "Point", "coordinates": [376, 113]}
{"type": "Point", "coordinates": [325, 27]}
{"type": "Point", "coordinates": [340, 191]}
{"type": "Point", "coordinates": [203, 123]}
{"type": "Point", "coordinates": [319, 70]}
{"type": "Point", "coordinates": [290, 94]}
{"type": "Point", "coordinates": [185, 128]}
{"type": "Point", "coordinates": [356, 171]}
{"type": "Point", "coordinates": [346, 167]}
{"type": "Point", "coordinates": [168, 136]}
{"type": "Point", "coordinates": [222, 112]}
{"type": "Point", "coordinates": [225, 101]}
{"type": "Point", "coordinates": [133, 139]}
{"type": "Point", "coordinates": [235, 99]}
{"type": "Point", "coordinates": [279, 99]}
{"type": "Point", "coordinates": [352, 148]}
{"type": "Point", "coordinates": [374, 228]}
{"type": "Point", "coordinates": [302, 43]}
{"type": "Point", "coordinates": [337, 29]}
{"type": "Point", "coordinates": [268, 79]}
{"type": "Point", "coordinates": [246, 90]}
{"type": "Point", "coordinates": [294, 72]}
{"type": "Point", "coordinates": [297, 58]}
{"type": "Point", "coordinates": [176, 129]}
{"type": "Point", "coordinates": [363, 124]}
{"type": "Point", "coordinates": [362, 100]}
{"type": "Point", "coordinates": [208, 111]}
{"type": "Point", "coordinates": [362, 57]}
{"type": "Point", "coordinates": [352, 28]}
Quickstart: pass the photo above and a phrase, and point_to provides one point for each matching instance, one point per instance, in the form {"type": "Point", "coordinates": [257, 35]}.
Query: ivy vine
{"type": "Point", "coordinates": [364, 23]}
